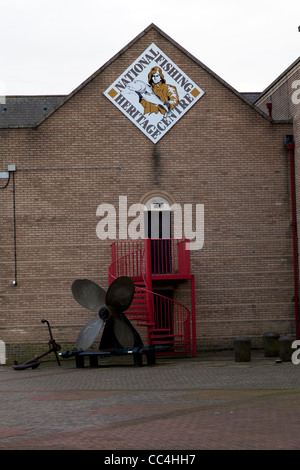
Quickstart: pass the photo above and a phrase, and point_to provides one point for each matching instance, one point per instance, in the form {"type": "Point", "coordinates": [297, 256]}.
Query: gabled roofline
{"type": "Point", "coordinates": [162, 33]}
{"type": "Point", "coordinates": [209, 71]}
{"type": "Point", "coordinates": [277, 80]}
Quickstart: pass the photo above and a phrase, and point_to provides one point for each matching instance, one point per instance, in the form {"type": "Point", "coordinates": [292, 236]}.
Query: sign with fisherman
{"type": "Point", "coordinates": [153, 93]}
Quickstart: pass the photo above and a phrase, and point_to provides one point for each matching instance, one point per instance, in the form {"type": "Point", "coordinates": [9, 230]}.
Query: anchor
{"type": "Point", "coordinates": [34, 362]}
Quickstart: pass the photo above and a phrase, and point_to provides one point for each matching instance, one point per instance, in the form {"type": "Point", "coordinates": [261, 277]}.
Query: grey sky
{"type": "Point", "coordinates": [51, 46]}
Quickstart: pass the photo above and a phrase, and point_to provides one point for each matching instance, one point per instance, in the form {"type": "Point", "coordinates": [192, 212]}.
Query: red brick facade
{"type": "Point", "coordinates": [224, 153]}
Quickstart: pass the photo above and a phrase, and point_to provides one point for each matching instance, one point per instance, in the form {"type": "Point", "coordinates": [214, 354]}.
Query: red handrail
{"type": "Point", "coordinates": [173, 319]}
{"type": "Point", "coordinates": [169, 256]}
{"type": "Point", "coordinates": [134, 259]}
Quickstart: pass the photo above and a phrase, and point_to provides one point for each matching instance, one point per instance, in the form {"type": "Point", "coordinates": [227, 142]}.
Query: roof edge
{"type": "Point", "coordinates": [213, 74]}
{"type": "Point", "coordinates": [182, 49]}
{"type": "Point", "coordinates": [96, 73]}
{"type": "Point", "coordinates": [280, 77]}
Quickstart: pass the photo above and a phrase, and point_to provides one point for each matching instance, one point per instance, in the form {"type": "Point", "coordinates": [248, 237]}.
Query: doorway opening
{"type": "Point", "coordinates": [158, 229]}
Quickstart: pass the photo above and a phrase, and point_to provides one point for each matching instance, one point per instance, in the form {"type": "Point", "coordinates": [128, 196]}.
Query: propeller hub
{"type": "Point", "coordinates": [104, 313]}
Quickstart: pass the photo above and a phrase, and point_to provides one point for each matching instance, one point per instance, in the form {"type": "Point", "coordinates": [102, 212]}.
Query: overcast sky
{"type": "Point", "coordinates": [52, 46]}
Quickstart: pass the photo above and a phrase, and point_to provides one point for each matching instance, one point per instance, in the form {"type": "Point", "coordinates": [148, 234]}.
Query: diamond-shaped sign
{"type": "Point", "coordinates": [154, 93]}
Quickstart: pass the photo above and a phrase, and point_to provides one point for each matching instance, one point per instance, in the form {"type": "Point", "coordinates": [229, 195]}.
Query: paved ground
{"type": "Point", "coordinates": [208, 402]}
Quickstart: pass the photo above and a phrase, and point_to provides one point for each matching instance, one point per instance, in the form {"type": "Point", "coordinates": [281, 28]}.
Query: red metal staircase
{"type": "Point", "coordinates": [167, 321]}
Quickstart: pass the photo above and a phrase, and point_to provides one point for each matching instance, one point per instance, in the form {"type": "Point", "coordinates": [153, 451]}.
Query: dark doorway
{"type": "Point", "coordinates": [159, 230]}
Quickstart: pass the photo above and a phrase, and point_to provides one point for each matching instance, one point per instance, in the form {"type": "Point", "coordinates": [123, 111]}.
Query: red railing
{"type": "Point", "coordinates": [184, 258]}
{"type": "Point", "coordinates": [167, 321]}
{"type": "Point", "coordinates": [127, 260]}
{"type": "Point", "coordinates": [172, 324]}
{"type": "Point", "coordinates": [169, 257]}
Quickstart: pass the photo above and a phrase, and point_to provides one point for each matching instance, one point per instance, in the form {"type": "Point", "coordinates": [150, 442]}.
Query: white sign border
{"type": "Point", "coordinates": [128, 100]}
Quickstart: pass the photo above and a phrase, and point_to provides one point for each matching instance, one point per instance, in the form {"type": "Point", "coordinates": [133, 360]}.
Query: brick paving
{"type": "Point", "coordinates": [209, 402]}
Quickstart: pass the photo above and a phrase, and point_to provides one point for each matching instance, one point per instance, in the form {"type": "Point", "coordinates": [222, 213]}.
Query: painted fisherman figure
{"type": "Point", "coordinates": [155, 96]}
{"type": "Point", "coordinates": [167, 93]}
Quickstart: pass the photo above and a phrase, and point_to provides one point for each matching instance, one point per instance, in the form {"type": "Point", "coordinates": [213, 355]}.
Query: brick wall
{"type": "Point", "coordinates": [284, 95]}
{"type": "Point", "coordinates": [280, 94]}
{"type": "Point", "coordinates": [296, 132]}
{"type": "Point", "coordinates": [222, 154]}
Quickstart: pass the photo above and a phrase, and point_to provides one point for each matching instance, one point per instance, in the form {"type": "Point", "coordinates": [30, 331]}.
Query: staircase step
{"type": "Point", "coordinates": [162, 335]}
{"type": "Point", "coordinates": [138, 311]}
{"type": "Point", "coordinates": [160, 330]}
{"type": "Point", "coordinates": [138, 308]}
{"type": "Point", "coordinates": [141, 312]}
{"type": "Point", "coordinates": [163, 342]}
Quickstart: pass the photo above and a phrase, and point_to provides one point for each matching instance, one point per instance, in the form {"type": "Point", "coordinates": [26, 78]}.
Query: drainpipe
{"type": "Point", "coordinates": [290, 147]}
{"type": "Point", "coordinates": [269, 106]}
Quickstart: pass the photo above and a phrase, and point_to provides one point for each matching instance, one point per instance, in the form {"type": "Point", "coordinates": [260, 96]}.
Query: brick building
{"type": "Point", "coordinates": [214, 149]}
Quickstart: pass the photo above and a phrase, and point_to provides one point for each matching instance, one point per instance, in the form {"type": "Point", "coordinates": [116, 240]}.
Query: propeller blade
{"type": "Point", "coordinates": [89, 333]}
{"type": "Point", "coordinates": [120, 294]}
{"type": "Point", "coordinates": [123, 333]}
{"type": "Point", "coordinates": [88, 294]}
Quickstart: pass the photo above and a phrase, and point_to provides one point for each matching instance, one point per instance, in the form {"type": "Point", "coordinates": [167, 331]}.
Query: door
{"type": "Point", "coordinates": [159, 230]}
